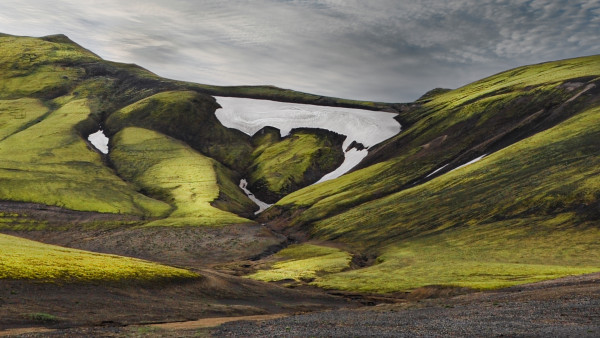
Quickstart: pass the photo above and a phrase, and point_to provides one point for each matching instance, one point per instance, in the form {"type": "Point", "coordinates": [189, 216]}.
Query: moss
{"type": "Point", "coordinates": [189, 117]}
{"type": "Point", "coordinates": [443, 132]}
{"type": "Point", "coordinates": [170, 170]}
{"type": "Point", "coordinates": [305, 262]}
{"type": "Point", "coordinates": [486, 256]}
{"type": "Point", "coordinates": [25, 259]}
{"type": "Point", "coordinates": [300, 159]}
{"type": "Point", "coordinates": [17, 115]}
{"type": "Point", "coordinates": [50, 163]}
{"type": "Point", "coordinates": [453, 231]}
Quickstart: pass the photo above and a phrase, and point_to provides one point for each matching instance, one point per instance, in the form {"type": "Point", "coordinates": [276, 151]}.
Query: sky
{"type": "Point", "coordinates": [380, 50]}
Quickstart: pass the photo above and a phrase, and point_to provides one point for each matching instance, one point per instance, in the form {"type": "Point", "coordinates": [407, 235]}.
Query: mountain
{"type": "Point", "coordinates": [490, 185]}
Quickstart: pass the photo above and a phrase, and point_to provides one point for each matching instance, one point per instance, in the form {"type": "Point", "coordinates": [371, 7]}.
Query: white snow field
{"type": "Point", "coordinates": [363, 126]}
{"type": "Point", "coordinates": [99, 141]}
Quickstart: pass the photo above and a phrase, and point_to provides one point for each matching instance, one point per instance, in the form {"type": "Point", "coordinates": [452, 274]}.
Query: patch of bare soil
{"type": "Point", "coordinates": [59, 216]}
{"type": "Point", "coordinates": [197, 247]}
{"type": "Point", "coordinates": [118, 305]}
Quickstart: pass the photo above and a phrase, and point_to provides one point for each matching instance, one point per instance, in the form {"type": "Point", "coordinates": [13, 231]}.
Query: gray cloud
{"type": "Point", "coordinates": [385, 50]}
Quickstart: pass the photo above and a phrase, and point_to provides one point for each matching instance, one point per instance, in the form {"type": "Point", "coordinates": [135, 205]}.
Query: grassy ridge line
{"type": "Point", "coordinates": [452, 135]}
{"type": "Point", "coordinates": [513, 217]}
{"type": "Point", "coordinates": [546, 73]}
{"type": "Point", "coordinates": [287, 95]}
{"type": "Point", "coordinates": [172, 171]}
{"type": "Point", "coordinates": [24, 259]}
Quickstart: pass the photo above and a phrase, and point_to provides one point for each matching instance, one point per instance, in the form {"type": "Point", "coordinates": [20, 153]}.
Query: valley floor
{"type": "Point", "coordinates": [564, 307]}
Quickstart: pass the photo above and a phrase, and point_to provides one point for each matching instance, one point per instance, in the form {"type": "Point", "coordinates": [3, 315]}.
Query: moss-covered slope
{"type": "Point", "coordinates": [25, 259]}
{"type": "Point", "coordinates": [172, 171]}
{"type": "Point", "coordinates": [454, 127]}
{"type": "Point", "coordinates": [50, 163]}
{"type": "Point", "coordinates": [281, 166]}
{"type": "Point", "coordinates": [189, 117]}
{"type": "Point", "coordinates": [528, 211]}
{"type": "Point", "coordinates": [53, 93]}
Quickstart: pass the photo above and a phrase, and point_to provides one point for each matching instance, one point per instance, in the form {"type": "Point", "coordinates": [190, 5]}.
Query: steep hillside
{"type": "Point", "coordinates": [489, 185]}
{"type": "Point", "coordinates": [281, 166]}
{"type": "Point", "coordinates": [455, 127]}
{"type": "Point", "coordinates": [54, 93]}
{"type": "Point", "coordinates": [168, 168]}
{"type": "Point", "coordinates": [529, 210]}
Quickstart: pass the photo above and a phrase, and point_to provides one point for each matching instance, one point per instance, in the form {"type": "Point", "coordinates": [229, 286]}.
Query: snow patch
{"type": "Point", "coordinates": [99, 141]}
{"type": "Point", "coordinates": [251, 115]}
{"type": "Point", "coordinates": [470, 162]}
{"type": "Point", "coordinates": [363, 126]}
{"type": "Point", "coordinates": [437, 170]}
{"type": "Point", "coordinates": [262, 206]}
{"type": "Point", "coordinates": [352, 159]}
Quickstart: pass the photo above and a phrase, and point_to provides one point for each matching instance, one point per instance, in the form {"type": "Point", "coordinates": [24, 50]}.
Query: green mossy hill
{"type": "Point", "coordinates": [39, 68]}
{"type": "Point", "coordinates": [526, 213]}
{"type": "Point", "coordinates": [455, 127]}
{"type": "Point", "coordinates": [189, 117]}
{"type": "Point", "coordinates": [281, 166]}
{"type": "Point", "coordinates": [172, 171]}
{"type": "Point", "coordinates": [22, 259]}
{"type": "Point", "coordinates": [42, 76]}
{"type": "Point", "coordinates": [48, 162]}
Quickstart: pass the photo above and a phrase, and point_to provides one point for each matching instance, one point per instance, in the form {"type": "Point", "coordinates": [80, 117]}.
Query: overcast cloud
{"type": "Point", "coordinates": [386, 50]}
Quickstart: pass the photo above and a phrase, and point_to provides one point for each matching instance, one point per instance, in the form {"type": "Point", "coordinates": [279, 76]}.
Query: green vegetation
{"type": "Point", "coordinates": [189, 117]}
{"type": "Point", "coordinates": [50, 163]}
{"type": "Point", "coordinates": [172, 171]}
{"type": "Point", "coordinates": [538, 223]}
{"type": "Point", "coordinates": [527, 212]}
{"type": "Point", "coordinates": [440, 132]}
{"type": "Point", "coordinates": [42, 317]}
{"type": "Point", "coordinates": [485, 256]}
{"type": "Point", "coordinates": [283, 166]}
{"type": "Point", "coordinates": [305, 262]}
{"type": "Point", "coordinates": [36, 67]}
{"type": "Point", "coordinates": [520, 78]}
{"type": "Point", "coordinates": [16, 115]}
{"type": "Point", "coordinates": [25, 259]}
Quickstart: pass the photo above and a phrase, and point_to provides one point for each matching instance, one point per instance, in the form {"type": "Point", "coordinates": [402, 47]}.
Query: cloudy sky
{"type": "Point", "coordinates": [386, 50]}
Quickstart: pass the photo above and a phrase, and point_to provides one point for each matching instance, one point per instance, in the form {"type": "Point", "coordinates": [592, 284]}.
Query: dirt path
{"type": "Point", "coordinates": [213, 322]}
{"type": "Point", "coordinates": [23, 331]}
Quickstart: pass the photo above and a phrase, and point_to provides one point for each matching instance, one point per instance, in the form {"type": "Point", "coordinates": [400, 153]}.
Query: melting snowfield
{"type": "Point", "coordinates": [99, 141]}
{"type": "Point", "coordinates": [363, 126]}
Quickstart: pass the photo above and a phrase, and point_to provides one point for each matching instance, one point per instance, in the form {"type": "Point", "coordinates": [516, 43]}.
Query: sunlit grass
{"type": "Point", "coordinates": [50, 163]}
{"type": "Point", "coordinates": [507, 219]}
{"type": "Point", "coordinates": [170, 169]}
{"type": "Point", "coordinates": [24, 259]}
{"type": "Point", "coordinates": [305, 262]}
{"type": "Point", "coordinates": [464, 118]}
{"type": "Point", "coordinates": [487, 256]}
{"type": "Point", "coordinates": [16, 115]}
